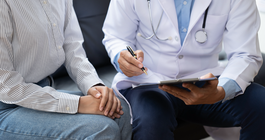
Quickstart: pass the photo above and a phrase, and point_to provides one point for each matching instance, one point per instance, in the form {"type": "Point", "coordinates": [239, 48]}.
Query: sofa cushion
{"type": "Point", "coordinates": [91, 15]}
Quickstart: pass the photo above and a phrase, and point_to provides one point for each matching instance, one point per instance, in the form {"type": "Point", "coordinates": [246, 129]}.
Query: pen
{"type": "Point", "coordinates": [133, 54]}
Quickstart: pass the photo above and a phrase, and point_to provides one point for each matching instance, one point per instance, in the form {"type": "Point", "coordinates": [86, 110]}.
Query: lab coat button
{"type": "Point", "coordinates": [67, 108]}
{"type": "Point", "coordinates": [181, 56]}
{"type": "Point", "coordinates": [176, 38]}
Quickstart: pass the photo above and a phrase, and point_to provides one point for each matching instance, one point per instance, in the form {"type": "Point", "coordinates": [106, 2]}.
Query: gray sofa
{"type": "Point", "coordinates": [91, 15]}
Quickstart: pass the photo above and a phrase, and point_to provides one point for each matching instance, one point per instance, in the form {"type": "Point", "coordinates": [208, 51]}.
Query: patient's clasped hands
{"type": "Point", "coordinates": [100, 100]}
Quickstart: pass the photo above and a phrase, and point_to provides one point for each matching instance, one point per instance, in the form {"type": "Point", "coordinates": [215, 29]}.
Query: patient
{"type": "Point", "coordinates": [36, 38]}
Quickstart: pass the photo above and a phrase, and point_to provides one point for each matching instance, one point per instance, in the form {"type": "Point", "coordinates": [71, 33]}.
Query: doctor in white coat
{"type": "Point", "coordinates": [181, 39]}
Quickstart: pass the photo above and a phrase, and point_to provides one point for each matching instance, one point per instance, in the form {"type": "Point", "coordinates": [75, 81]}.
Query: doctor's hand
{"type": "Point", "coordinates": [109, 104]}
{"type": "Point", "coordinates": [210, 93]}
{"type": "Point", "coordinates": [129, 65]}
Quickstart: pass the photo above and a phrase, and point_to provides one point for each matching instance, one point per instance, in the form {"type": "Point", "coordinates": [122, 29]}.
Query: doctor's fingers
{"type": "Point", "coordinates": [140, 55]}
{"type": "Point", "coordinates": [128, 68]}
{"type": "Point", "coordinates": [203, 92]}
{"type": "Point", "coordinates": [191, 87]}
{"type": "Point", "coordinates": [125, 56]}
{"type": "Point", "coordinates": [186, 96]}
{"type": "Point", "coordinates": [208, 94]}
{"type": "Point", "coordinates": [131, 70]}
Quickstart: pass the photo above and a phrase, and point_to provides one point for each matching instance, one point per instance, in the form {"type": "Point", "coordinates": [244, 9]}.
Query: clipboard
{"type": "Point", "coordinates": [176, 81]}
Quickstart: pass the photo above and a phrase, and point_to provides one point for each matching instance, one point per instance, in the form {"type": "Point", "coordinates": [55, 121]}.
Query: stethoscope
{"type": "Point", "coordinates": [200, 35]}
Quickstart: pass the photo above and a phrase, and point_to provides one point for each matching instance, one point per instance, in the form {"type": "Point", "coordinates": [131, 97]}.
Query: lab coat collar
{"type": "Point", "coordinates": [169, 7]}
{"type": "Point", "coordinates": [199, 8]}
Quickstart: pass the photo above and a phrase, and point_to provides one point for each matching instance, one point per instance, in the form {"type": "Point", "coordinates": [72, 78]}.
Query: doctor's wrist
{"type": "Point", "coordinates": [220, 93]}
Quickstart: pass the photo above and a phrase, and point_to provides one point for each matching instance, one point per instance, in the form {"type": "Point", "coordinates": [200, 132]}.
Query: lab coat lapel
{"type": "Point", "coordinates": [199, 8]}
{"type": "Point", "coordinates": [169, 8]}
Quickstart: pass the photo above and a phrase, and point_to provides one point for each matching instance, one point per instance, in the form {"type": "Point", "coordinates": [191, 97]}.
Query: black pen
{"type": "Point", "coordinates": [133, 54]}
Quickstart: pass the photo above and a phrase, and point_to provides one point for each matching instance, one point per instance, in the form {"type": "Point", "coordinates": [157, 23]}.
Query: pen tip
{"type": "Point", "coordinates": [145, 72]}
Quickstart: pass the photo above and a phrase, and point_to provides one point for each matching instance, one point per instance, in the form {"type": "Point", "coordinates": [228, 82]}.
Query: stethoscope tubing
{"type": "Point", "coordinates": [197, 34]}
{"type": "Point", "coordinates": [152, 26]}
{"type": "Point", "coordinates": [151, 21]}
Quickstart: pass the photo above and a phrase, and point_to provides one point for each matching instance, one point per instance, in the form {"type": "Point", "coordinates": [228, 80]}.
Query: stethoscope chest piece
{"type": "Point", "coordinates": [201, 36]}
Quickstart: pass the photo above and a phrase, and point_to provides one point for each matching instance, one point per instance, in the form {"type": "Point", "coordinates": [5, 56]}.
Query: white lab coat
{"type": "Point", "coordinates": [233, 24]}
